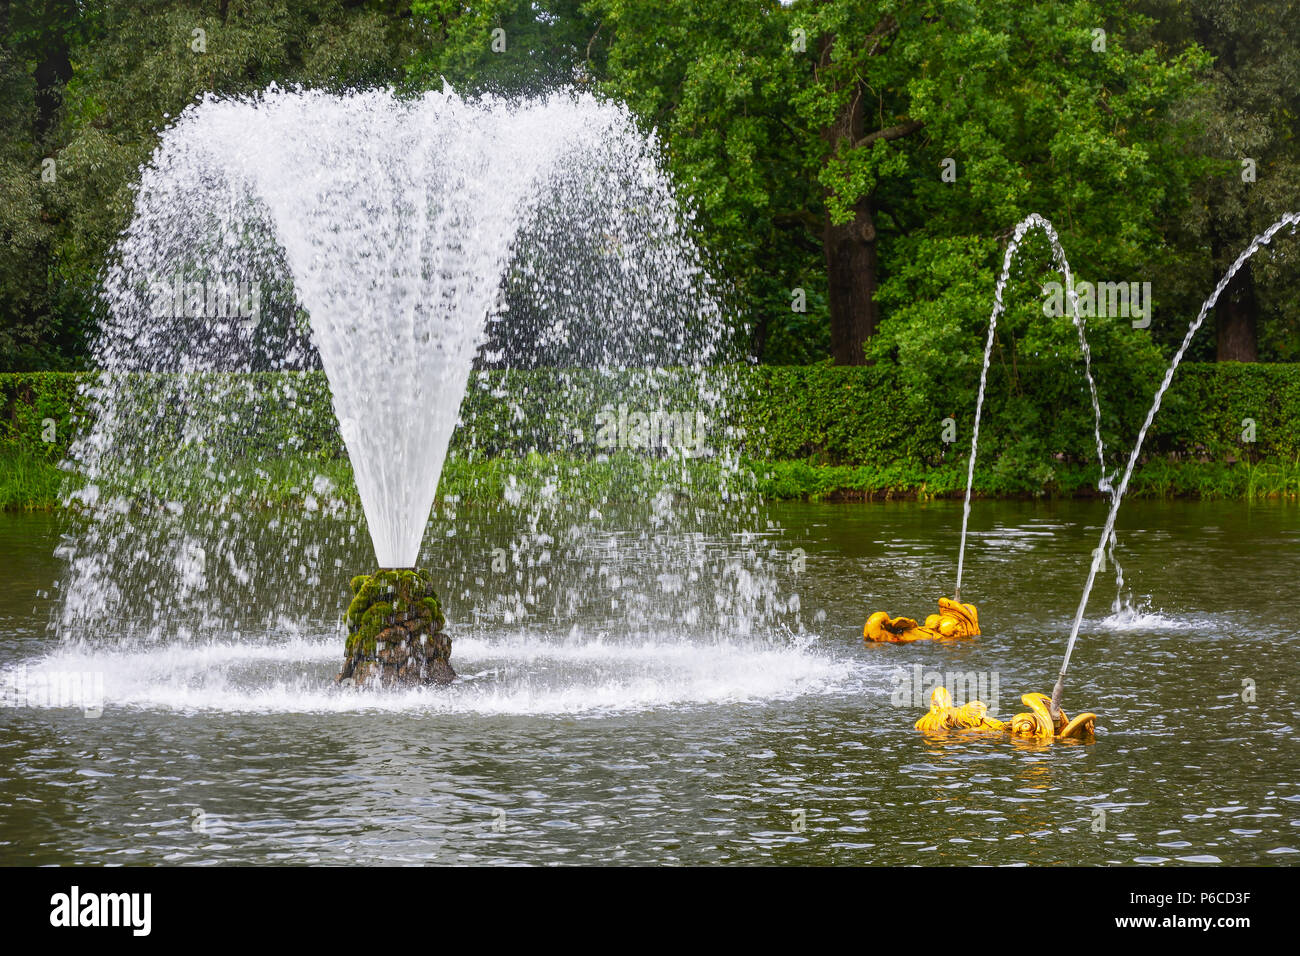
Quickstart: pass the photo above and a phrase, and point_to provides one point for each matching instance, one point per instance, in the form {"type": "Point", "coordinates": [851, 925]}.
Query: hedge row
{"type": "Point", "coordinates": [1036, 429]}
{"type": "Point", "coordinates": [1032, 429]}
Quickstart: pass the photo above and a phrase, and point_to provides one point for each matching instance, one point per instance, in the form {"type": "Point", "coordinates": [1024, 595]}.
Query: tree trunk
{"type": "Point", "coordinates": [54, 68]}
{"type": "Point", "coordinates": [1234, 315]}
{"type": "Point", "coordinates": [850, 248]}
{"type": "Point", "coordinates": [850, 251]}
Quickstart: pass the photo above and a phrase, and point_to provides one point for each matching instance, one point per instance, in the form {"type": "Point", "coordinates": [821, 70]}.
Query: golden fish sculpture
{"type": "Point", "coordinates": [943, 716]}
{"type": "Point", "coordinates": [1037, 723]}
{"type": "Point", "coordinates": [953, 622]}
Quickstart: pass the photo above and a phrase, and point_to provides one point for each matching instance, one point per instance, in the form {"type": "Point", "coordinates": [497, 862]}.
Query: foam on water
{"type": "Point", "coordinates": [502, 674]}
{"type": "Point", "coordinates": [1130, 619]}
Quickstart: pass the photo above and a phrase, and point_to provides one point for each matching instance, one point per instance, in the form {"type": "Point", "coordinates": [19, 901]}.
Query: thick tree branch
{"type": "Point", "coordinates": [890, 132]}
{"type": "Point", "coordinates": [801, 217]}
{"type": "Point", "coordinates": [887, 27]}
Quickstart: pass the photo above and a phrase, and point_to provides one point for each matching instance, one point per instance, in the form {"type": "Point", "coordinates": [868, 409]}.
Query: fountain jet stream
{"type": "Point", "coordinates": [1035, 221]}
{"type": "Point", "coordinates": [409, 248]}
{"type": "Point", "coordinates": [399, 267]}
{"type": "Point", "coordinates": [1264, 238]}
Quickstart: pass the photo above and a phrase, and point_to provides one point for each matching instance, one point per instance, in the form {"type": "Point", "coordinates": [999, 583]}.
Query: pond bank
{"type": "Point", "coordinates": [29, 481]}
{"type": "Point", "coordinates": [819, 433]}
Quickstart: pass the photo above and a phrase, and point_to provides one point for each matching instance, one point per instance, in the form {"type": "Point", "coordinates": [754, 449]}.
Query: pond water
{"type": "Point", "coordinates": [586, 728]}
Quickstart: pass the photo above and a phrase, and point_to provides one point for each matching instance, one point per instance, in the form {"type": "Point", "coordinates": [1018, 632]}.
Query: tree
{"type": "Point", "coordinates": [37, 330]}
{"type": "Point", "coordinates": [836, 118]}
{"type": "Point", "coordinates": [1056, 109]}
{"type": "Point", "coordinates": [504, 46]}
{"type": "Point", "coordinates": [716, 79]}
{"type": "Point", "coordinates": [1246, 122]}
{"type": "Point", "coordinates": [91, 85]}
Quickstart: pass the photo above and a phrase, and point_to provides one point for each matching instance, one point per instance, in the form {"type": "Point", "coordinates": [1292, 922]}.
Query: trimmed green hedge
{"type": "Point", "coordinates": [867, 417]}
{"type": "Point", "coordinates": [812, 431]}
{"type": "Point", "coordinates": [32, 402]}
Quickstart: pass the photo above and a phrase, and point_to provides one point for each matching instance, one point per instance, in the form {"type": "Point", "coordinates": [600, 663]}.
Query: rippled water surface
{"type": "Point", "coordinates": [580, 732]}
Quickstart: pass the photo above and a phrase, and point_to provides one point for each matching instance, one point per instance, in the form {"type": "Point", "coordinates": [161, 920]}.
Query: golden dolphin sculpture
{"type": "Point", "coordinates": [944, 716]}
{"type": "Point", "coordinates": [1037, 723]}
{"type": "Point", "coordinates": [953, 621]}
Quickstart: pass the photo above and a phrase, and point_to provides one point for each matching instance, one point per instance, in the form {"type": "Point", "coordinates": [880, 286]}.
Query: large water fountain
{"type": "Point", "coordinates": [412, 250]}
{"type": "Point", "coordinates": [397, 245]}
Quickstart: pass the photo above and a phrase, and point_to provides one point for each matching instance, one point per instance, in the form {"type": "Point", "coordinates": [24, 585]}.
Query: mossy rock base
{"type": "Point", "coordinates": [403, 657]}
{"type": "Point", "coordinates": [395, 636]}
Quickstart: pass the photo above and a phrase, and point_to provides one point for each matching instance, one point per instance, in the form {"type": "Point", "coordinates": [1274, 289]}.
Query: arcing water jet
{"type": "Point", "coordinates": [1291, 219]}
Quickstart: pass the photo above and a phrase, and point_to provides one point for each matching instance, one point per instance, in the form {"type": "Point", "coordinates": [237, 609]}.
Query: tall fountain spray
{"type": "Point", "coordinates": [382, 240]}
{"type": "Point", "coordinates": [396, 221]}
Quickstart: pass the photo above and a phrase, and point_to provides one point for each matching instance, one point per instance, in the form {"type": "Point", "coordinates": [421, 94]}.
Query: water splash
{"type": "Point", "coordinates": [1035, 221]}
{"type": "Point", "coordinates": [399, 245]}
{"type": "Point", "coordinates": [502, 673]}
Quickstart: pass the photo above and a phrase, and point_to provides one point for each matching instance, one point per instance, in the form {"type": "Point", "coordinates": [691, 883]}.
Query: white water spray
{"type": "Point", "coordinates": [397, 244]}
{"type": "Point", "coordinates": [1035, 221]}
{"type": "Point", "coordinates": [1108, 531]}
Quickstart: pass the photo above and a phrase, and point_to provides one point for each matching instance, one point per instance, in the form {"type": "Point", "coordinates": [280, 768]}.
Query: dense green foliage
{"type": "Point", "coordinates": [503, 47]}
{"type": "Point", "coordinates": [814, 431]}
{"type": "Point", "coordinates": [89, 86]}
{"type": "Point", "coordinates": [1014, 94]}
{"type": "Point", "coordinates": [796, 131]}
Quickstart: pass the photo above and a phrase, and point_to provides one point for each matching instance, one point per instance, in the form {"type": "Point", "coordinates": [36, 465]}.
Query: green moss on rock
{"type": "Point", "coordinates": [433, 607]}
{"type": "Point", "coordinates": [385, 597]}
{"type": "Point", "coordinates": [400, 606]}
